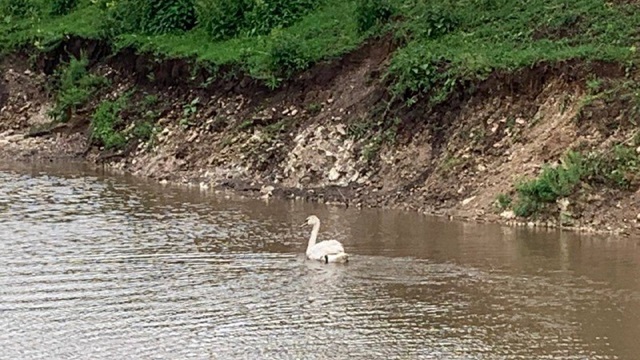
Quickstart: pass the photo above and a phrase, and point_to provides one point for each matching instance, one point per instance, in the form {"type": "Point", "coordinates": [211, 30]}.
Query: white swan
{"type": "Point", "coordinates": [328, 250]}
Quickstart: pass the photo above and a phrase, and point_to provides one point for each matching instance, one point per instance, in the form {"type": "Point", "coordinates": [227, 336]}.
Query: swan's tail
{"type": "Point", "coordinates": [337, 258]}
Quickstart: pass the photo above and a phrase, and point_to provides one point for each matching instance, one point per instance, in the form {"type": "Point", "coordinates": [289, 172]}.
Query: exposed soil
{"type": "Point", "coordinates": [313, 138]}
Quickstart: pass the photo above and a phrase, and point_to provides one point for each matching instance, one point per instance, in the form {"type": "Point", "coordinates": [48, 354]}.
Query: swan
{"type": "Point", "coordinates": [328, 250]}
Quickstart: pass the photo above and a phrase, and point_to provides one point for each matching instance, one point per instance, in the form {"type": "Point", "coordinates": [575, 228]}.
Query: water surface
{"type": "Point", "coordinates": [97, 266]}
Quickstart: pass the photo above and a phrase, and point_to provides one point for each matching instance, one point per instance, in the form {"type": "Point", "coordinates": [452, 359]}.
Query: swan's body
{"type": "Point", "coordinates": [328, 250]}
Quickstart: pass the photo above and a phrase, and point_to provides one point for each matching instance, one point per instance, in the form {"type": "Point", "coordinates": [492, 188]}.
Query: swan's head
{"type": "Point", "coordinates": [311, 220]}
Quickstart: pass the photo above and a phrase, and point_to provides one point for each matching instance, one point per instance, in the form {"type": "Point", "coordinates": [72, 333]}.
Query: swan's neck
{"type": "Point", "coordinates": [314, 235]}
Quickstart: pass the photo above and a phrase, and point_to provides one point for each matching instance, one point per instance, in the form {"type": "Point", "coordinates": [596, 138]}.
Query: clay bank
{"type": "Point", "coordinates": [311, 139]}
{"type": "Point", "coordinates": [517, 113]}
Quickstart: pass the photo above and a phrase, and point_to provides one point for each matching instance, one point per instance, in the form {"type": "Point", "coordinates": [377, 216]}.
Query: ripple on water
{"type": "Point", "coordinates": [98, 267]}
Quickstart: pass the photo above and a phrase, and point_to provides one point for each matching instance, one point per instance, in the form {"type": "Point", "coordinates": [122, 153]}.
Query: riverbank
{"type": "Point", "coordinates": [328, 136]}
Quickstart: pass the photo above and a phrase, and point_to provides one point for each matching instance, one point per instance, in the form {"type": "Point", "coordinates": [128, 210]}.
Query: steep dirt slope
{"type": "Point", "coordinates": [323, 135]}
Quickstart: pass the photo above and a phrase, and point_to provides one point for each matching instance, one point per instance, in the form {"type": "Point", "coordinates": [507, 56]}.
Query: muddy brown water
{"type": "Point", "coordinates": [98, 266]}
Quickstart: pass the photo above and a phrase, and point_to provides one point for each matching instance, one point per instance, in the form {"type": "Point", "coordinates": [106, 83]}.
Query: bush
{"type": "Point", "coordinates": [617, 168]}
{"type": "Point", "coordinates": [422, 72]}
{"type": "Point", "coordinates": [223, 19]}
{"type": "Point", "coordinates": [63, 7]}
{"type": "Point", "coordinates": [370, 13]}
{"type": "Point", "coordinates": [74, 87]}
{"type": "Point", "coordinates": [105, 121]}
{"type": "Point", "coordinates": [150, 16]}
{"type": "Point", "coordinates": [18, 8]}
{"type": "Point", "coordinates": [166, 16]}
{"type": "Point", "coordinates": [270, 14]}
{"type": "Point", "coordinates": [551, 185]}
{"type": "Point", "coordinates": [286, 56]}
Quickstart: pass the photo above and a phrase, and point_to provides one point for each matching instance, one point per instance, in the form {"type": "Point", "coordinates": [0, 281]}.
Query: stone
{"type": "Point", "coordinates": [334, 174]}
{"type": "Point", "coordinates": [467, 200]}
{"type": "Point", "coordinates": [509, 214]}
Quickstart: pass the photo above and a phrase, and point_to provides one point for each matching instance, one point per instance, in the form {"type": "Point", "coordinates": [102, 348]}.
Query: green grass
{"type": "Point", "coordinates": [469, 39]}
{"type": "Point", "coordinates": [617, 168]}
{"type": "Point", "coordinates": [443, 42]}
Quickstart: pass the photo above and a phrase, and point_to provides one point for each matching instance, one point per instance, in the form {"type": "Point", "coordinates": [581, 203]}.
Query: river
{"type": "Point", "coordinates": [101, 266]}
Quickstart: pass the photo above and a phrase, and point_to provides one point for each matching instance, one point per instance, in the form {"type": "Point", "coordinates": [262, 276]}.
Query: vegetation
{"type": "Point", "coordinates": [105, 122]}
{"type": "Point", "coordinates": [618, 168]}
{"type": "Point", "coordinates": [444, 43]}
{"type": "Point", "coordinates": [74, 86]}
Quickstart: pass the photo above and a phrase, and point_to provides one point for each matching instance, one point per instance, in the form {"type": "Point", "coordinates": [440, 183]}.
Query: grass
{"type": "Point", "coordinates": [617, 168]}
{"type": "Point", "coordinates": [469, 39]}
{"type": "Point", "coordinates": [444, 42]}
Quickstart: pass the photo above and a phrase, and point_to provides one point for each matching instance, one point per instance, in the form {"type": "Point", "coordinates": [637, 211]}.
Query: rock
{"type": "Point", "coordinates": [638, 149]}
{"type": "Point", "coordinates": [334, 174]}
{"type": "Point", "coordinates": [508, 215]}
{"type": "Point", "coordinates": [638, 217]}
{"type": "Point", "coordinates": [563, 204]}
{"type": "Point", "coordinates": [481, 168]}
{"type": "Point", "coordinates": [341, 130]}
{"type": "Point", "coordinates": [467, 200]}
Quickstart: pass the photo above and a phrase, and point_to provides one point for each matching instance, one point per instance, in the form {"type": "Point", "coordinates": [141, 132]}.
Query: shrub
{"type": "Point", "coordinates": [550, 185]}
{"type": "Point", "coordinates": [150, 16]}
{"type": "Point", "coordinates": [223, 19]}
{"type": "Point", "coordinates": [286, 55]}
{"type": "Point", "coordinates": [166, 16]}
{"type": "Point", "coordinates": [421, 72]}
{"type": "Point", "coordinates": [74, 88]}
{"type": "Point", "coordinates": [370, 13]}
{"type": "Point", "coordinates": [63, 7]}
{"type": "Point", "coordinates": [105, 121]}
{"type": "Point", "coordinates": [617, 168]}
{"type": "Point", "coordinates": [18, 8]}
{"type": "Point", "coordinates": [269, 14]}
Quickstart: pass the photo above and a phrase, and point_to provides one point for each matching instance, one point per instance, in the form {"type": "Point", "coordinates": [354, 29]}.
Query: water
{"type": "Point", "coordinates": [95, 266]}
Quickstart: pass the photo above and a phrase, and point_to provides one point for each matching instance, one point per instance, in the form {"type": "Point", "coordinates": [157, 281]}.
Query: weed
{"type": "Point", "coordinates": [149, 101]}
{"type": "Point", "coordinates": [105, 121]}
{"type": "Point", "coordinates": [188, 110]}
{"type": "Point", "coordinates": [224, 19]}
{"type": "Point", "coordinates": [75, 86]}
{"type": "Point", "coordinates": [372, 148]}
{"type": "Point", "coordinates": [616, 168]}
{"type": "Point", "coordinates": [503, 202]}
{"type": "Point", "coordinates": [63, 7]}
{"type": "Point", "coordinates": [314, 108]}
{"type": "Point", "coordinates": [143, 130]}
{"type": "Point", "coordinates": [245, 125]}
{"type": "Point", "coordinates": [18, 8]}
{"type": "Point", "coordinates": [370, 13]}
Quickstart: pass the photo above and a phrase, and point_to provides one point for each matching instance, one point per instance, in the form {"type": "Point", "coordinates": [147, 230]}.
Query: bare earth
{"type": "Point", "coordinates": [302, 140]}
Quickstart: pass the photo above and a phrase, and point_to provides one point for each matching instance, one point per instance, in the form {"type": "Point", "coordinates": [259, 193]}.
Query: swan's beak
{"type": "Point", "coordinates": [303, 224]}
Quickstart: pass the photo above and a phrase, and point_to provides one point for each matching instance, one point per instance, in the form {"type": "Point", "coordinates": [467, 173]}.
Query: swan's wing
{"type": "Point", "coordinates": [328, 247]}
